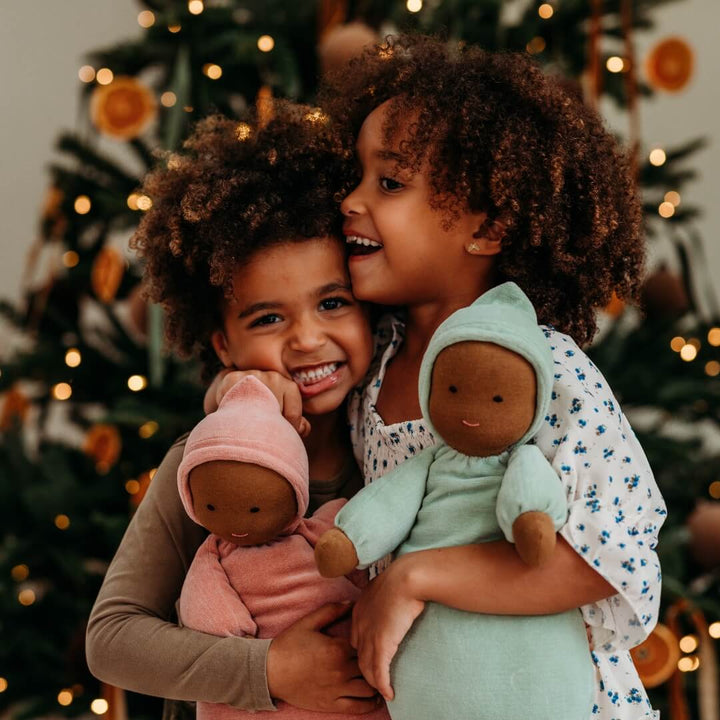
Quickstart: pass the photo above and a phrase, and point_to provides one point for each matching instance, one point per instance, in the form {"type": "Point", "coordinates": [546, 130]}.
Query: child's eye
{"type": "Point", "coordinates": [270, 319]}
{"type": "Point", "coordinates": [333, 303]}
{"type": "Point", "coordinates": [390, 185]}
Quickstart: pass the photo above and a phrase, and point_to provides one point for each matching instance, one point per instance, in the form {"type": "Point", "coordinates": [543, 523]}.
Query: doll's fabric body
{"type": "Point", "coordinates": [454, 663]}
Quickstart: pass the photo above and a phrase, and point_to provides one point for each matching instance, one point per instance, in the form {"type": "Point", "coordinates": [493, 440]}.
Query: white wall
{"type": "Point", "coordinates": [41, 48]}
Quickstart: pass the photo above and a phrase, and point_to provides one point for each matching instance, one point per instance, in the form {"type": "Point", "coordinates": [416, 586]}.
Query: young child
{"type": "Point", "coordinates": [242, 249]}
{"type": "Point", "coordinates": [477, 169]}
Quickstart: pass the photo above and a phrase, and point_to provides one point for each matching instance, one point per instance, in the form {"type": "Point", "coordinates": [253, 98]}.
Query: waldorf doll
{"type": "Point", "coordinates": [484, 388]}
{"type": "Point", "coordinates": [244, 477]}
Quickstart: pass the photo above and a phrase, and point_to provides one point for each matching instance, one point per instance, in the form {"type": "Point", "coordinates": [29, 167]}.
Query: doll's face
{"type": "Point", "coordinates": [243, 503]}
{"type": "Point", "coordinates": [482, 397]}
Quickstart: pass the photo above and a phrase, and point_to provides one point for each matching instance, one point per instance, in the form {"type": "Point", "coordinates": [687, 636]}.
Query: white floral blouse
{"type": "Point", "coordinates": [615, 507]}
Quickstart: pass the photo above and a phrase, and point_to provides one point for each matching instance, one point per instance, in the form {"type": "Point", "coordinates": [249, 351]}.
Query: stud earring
{"type": "Point", "coordinates": [473, 248]}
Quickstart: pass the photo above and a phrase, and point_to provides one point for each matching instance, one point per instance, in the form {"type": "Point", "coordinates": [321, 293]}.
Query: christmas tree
{"type": "Point", "coordinates": [91, 402]}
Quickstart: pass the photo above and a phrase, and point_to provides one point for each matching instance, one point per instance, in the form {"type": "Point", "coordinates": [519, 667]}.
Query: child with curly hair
{"type": "Point", "coordinates": [477, 168]}
{"type": "Point", "coordinates": [243, 250]}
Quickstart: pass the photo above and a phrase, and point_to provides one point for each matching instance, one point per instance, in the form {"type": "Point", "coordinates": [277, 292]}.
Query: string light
{"type": "Point", "coordinates": [666, 209]}
{"type": "Point", "coordinates": [82, 204]}
{"type": "Point", "coordinates": [20, 573]}
{"type": "Point", "coordinates": [243, 131]}
{"type": "Point", "coordinates": [86, 73]}
{"type": "Point", "coordinates": [188, 108]}
{"type": "Point", "coordinates": [26, 597]}
{"type": "Point", "coordinates": [62, 391]}
{"type": "Point", "coordinates": [414, 6]}
{"type": "Point", "coordinates": [143, 202]}
{"type": "Point", "coordinates": [689, 663]}
{"type": "Point", "coordinates": [695, 343]}
{"type": "Point", "coordinates": [536, 45]}
{"type": "Point", "coordinates": [168, 99]}
{"type": "Point", "coordinates": [146, 19]}
{"type": "Point", "coordinates": [196, 7]}
{"type": "Point", "coordinates": [265, 43]}
{"type": "Point", "coordinates": [615, 64]}
{"type": "Point", "coordinates": [316, 116]}
{"type": "Point", "coordinates": [104, 76]}
{"type": "Point", "coordinates": [677, 343]}
{"type": "Point", "coordinates": [714, 490]}
{"type": "Point", "coordinates": [99, 706]}
{"type": "Point", "coordinates": [672, 197]}
{"type": "Point", "coordinates": [712, 368]}
{"type": "Point", "coordinates": [3, 684]}
{"type": "Point", "coordinates": [151, 473]}
{"type": "Point", "coordinates": [65, 697]}
{"type": "Point", "coordinates": [132, 201]}
{"type": "Point", "coordinates": [688, 644]}
{"type": "Point", "coordinates": [714, 630]}
{"type": "Point", "coordinates": [657, 157]}
{"type": "Point", "coordinates": [545, 11]}
{"type": "Point", "coordinates": [688, 352]}
{"type": "Point", "coordinates": [137, 382]}
{"type": "Point", "coordinates": [70, 259]}
{"type": "Point", "coordinates": [148, 429]}
{"type": "Point", "coordinates": [714, 336]}
{"type": "Point", "coordinates": [73, 357]}
{"type": "Point", "coordinates": [132, 487]}
{"type": "Point", "coordinates": [213, 71]}
{"type": "Point", "coordinates": [62, 522]}
{"type": "Point", "coordinates": [174, 28]}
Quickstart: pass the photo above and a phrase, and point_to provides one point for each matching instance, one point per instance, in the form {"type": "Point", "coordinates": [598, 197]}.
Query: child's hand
{"type": "Point", "coordinates": [284, 389]}
{"type": "Point", "coordinates": [382, 617]}
{"type": "Point", "coordinates": [311, 670]}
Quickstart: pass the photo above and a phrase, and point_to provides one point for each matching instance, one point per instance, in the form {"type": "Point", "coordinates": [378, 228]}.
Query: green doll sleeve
{"type": "Point", "coordinates": [529, 483]}
{"type": "Point", "coordinates": [382, 514]}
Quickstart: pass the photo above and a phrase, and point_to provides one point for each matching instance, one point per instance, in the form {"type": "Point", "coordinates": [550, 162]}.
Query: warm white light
{"type": "Point", "coordinates": [545, 11]}
{"type": "Point", "coordinates": [666, 209]}
{"type": "Point", "coordinates": [615, 64]}
{"type": "Point", "coordinates": [104, 76]}
{"type": "Point", "coordinates": [146, 19]}
{"type": "Point", "coordinates": [168, 99]}
{"type": "Point", "coordinates": [316, 116]}
{"type": "Point", "coordinates": [265, 43]}
{"type": "Point", "coordinates": [714, 336]}
{"type": "Point", "coordinates": [414, 5]}
{"type": "Point", "coordinates": [714, 492]}
{"type": "Point", "coordinates": [243, 131]}
{"type": "Point", "coordinates": [148, 429]}
{"type": "Point", "coordinates": [714, 630]}
{"type": "Point", "coordinates": [82, 204]}
{"type": "Point", "coordinates": [695, 343]}
{"type": "Point", "coordinates": [536, 45]}
{"type": "Point", "coordinates": [20, 573]}
{"type": "Point", "coordinates": [688, 353]}
{"type": "Point", "coordinates": [86, 73]}
{"type": "Point", "coordinates": [712, 368]}
{"type": "Point", "coordinates": [137, 382]}
{"type": "Point", "coordinates": [196, 7]}
{"type": "Point", "coordinates": [70, 259]}
{"type": "Point", "coordinates": [26, 597]}
{"type": "Point", "coordinates": [143, 202]}
{"type": "Point", "coordinates": [672, 197]}
{"type": "Point", "coordinates": [132, 487]}
{"type": "Point", "coordinates": [3, 684]}
{"type": "Point", "coordinates": [62, 391]}
{"type": "Point", "coordinates": [132, 201]}
{"type": "Point", "coordinates": [689, 663]}
{"type": "Point", "coordinates": [677, 343]}
{"type": "Point", "coordinates": [99, 706]}
{"type": "Point", "coordinates": [73, 357]}
{"type": "Point", "coordinates": [65, 697]}
{"type": "Point", "coordinates": [62, 522]}
{"type": "Point", "coordinates": [214, 72]}
{"type": "Point", "coordinates": [657, 157]}
{"type": "Point", "coordinates": [174, 28]}
{"type": "Point", "coordinates": [688, 643]}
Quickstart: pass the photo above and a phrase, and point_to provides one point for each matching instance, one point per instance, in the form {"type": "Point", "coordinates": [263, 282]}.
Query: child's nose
{"type": "Point", "coordinates": [352, 204]}
{"type": "Point", "coordinates": [307, 336]}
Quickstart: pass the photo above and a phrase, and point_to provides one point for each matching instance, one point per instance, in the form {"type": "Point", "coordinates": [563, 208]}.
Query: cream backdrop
{"type": "Point", "coordinates": [42, 43]}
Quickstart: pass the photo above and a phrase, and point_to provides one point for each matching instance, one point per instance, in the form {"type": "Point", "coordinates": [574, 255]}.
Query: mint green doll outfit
{"type": "Point", "coordinates": [454, 664]}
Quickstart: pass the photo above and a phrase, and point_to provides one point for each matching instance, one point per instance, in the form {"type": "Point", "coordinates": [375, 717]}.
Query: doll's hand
{"type": "Point", "coordinates": [335, 554]}
{"type": "Point", "coordinates": [284, 389]}
{"type": "Point", "coordinates": [314, 671]}
{"type": "Point", "coordinates": [534, 537]}
{"type": "Point", "coordinates": [382, 617]}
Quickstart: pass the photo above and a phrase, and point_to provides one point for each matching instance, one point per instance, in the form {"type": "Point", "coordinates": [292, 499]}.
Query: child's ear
{"type": "Point", "coordinates": [220, 345]}
{"type": "Point", "coordinates": [487, 239]}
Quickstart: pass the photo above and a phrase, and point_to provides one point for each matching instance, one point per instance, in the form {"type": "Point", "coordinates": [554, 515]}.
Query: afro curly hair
{"type": "Point", "coordinates": [503, 137]}
{"type": "Point", "coordinates": [234, 189]}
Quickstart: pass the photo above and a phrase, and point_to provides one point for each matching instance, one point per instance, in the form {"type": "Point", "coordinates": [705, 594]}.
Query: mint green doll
{"type": "Point", "coordinates": [485, 384]}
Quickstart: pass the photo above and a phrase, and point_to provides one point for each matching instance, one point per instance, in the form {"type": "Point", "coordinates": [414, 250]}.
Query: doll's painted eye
{"type": "Point", "coordinates": [210, 507]}
{"type": "Point", "coordinates": [452, 389]}
{"type": "Point", "coordinates": [498, 398]}
{"type": "Point", "coordinates": [254, 509]}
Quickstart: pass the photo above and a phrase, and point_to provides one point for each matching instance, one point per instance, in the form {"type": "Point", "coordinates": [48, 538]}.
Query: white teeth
{"type": "Point", "coordinates": [309, 376]}
{"type": "Point", "coordinates": [357, 240]}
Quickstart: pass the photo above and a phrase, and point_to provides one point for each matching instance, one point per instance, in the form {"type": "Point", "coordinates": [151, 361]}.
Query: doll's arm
{"type": "Point", "coordinates": [531, 505]}
{"type": "Point", "coordinates": [208, 602]}
{"type": "Point", "coordinates": [378, 518]}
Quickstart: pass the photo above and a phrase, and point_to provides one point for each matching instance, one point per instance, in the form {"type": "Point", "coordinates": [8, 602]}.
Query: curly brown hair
{"type": "Point", "coordinates": [234, 189]}
{"type": "Point", "coordinates": [502, 136]}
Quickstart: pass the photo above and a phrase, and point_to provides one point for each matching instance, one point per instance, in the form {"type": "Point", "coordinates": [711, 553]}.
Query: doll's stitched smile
{"type": "Point", "coordinates": [239, 535]}
{"type": "Point", "coordinates": [469, 424]}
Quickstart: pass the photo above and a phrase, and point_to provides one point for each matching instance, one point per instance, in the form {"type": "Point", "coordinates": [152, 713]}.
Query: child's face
{"type": "Point", "coordinates": [413, 257]}
{"type": "Point", "coordinates": [293, 312]}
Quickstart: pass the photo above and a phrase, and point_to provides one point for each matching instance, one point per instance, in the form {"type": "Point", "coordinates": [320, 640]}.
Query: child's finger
{"type": "Point", "coordinates": [324, 616]}
{"type": "Point", "coordinates": [292, 404]}
{"type": "Point", "coordinates": [377, 673]}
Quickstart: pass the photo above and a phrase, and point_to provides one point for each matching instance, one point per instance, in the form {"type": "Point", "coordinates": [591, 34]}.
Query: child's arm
{"type": "Point", "coordinates": [132, 641]}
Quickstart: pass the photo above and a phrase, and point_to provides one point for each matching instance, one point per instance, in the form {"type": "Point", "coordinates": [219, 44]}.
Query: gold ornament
{"type": "Point", "coordinates": [669, 66]}
{"type": "Point", "coordinates": [14, 409]}
{"type": "Point", "coordinates": [107, 273]}
{"type": "Point", "coordinates": [656, 659]}
{"type": "Point", "coordinates": [103, 445]}
{"type": "Point", "coordinates": [123, 109]}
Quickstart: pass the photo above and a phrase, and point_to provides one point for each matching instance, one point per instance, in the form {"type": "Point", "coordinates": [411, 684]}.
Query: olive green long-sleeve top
{"type": "Point", "coordinates": [133, 638]}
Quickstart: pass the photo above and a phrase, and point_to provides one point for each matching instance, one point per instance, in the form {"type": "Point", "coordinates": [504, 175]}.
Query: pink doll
{"type": "Point", "coordinates": [244, 477]}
